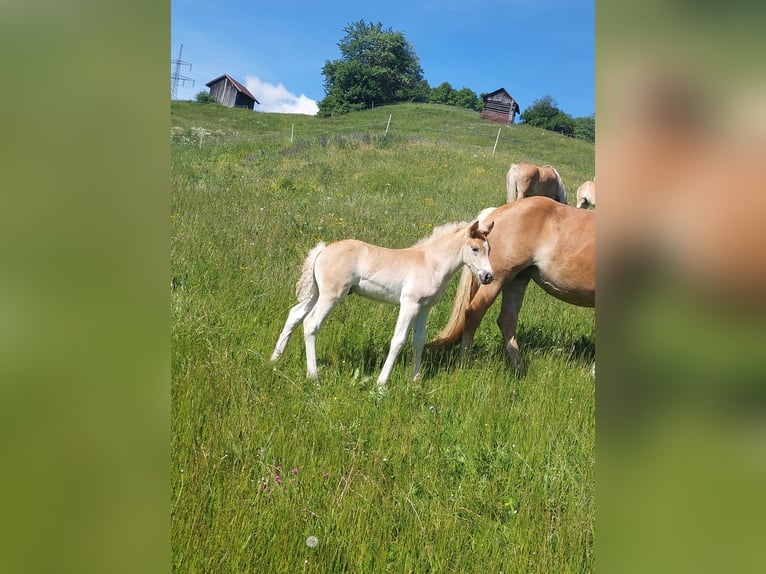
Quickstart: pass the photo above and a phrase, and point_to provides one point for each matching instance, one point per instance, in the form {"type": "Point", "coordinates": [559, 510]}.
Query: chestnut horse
{"type": "Point", "coordinates": [586, 194]}
{"type": "Point", "coordinates": [526, 180]}
{"type": "Point", "coordinates": [536, 239]}
{"type": "Point", "coordinates": [413, 278]}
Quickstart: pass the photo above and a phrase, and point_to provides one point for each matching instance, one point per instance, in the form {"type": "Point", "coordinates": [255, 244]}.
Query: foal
{"type": "Point", "coordinates": [413, 278]}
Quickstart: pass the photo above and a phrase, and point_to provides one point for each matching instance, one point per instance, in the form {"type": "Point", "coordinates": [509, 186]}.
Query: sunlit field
{"type": "Point", "coordinates": [472, 469]}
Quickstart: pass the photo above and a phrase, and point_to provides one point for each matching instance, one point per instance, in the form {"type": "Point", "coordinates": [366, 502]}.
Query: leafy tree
{"type": "Point", "coordinates": [441, 94]}
{"type": "Point", "coordinates": [204, 97]}
{"type": "Point", "coordinates": [444, 93]}
{"type": "Point", "coordinates": [377, 66]}
{"type": "Point", "coordinates": [466, 98]}
{"type": "Point", "coordinates": [544, 113]}
{"type": "Point", "coordinates": [585, 128]}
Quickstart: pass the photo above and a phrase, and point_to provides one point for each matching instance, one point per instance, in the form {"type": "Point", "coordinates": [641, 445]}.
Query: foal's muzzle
{"type": "Point", "coordinates": [486, 277]}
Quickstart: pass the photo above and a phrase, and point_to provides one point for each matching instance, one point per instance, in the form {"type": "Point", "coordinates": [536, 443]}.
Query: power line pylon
{"type": "Point", "coordinates": [176, 75]}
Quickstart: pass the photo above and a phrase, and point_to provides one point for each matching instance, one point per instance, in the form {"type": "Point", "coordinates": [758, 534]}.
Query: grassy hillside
{"type": "Point", "coordinates": [473, 469]}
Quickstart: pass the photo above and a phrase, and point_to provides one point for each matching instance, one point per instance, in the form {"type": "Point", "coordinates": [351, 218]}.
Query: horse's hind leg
{"type": "Point", "coordinates": [294, 318]}
{"type": "Point", "coordinates": [326, 303]}
{"type": "Point", "coordinates": [475, 311]}
{"type": "Point", "coordinates": [513, 297]}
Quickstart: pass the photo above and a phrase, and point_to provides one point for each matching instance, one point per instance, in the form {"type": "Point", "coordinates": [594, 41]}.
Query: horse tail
{"type": "Point", "coordinates": [453, 330]}
{"type": "Point", "coordinates": [511, 183]}
{"type": "Point", "coordinates": [562, 192]}
{"type": "Point", "coordinates": [307, 285]}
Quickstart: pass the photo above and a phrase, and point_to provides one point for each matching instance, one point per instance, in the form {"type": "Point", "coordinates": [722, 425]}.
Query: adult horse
{"type": "Point", "coordinates": [586, 194]}
{"type": "Point", "coordinates": [526, 180]}
{"type": "Point", "coordinates": [413, 278]}
{"type": "Point", "coordinates": [536, 239]}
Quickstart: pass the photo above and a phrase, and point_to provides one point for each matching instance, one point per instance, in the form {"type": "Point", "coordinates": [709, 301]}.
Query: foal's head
{"type": "Point", "coordinates": [476, 252]}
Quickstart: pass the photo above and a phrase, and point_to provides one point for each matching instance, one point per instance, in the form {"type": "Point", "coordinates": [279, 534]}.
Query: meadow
{"type": "Point", "coordinates": [475, 468]}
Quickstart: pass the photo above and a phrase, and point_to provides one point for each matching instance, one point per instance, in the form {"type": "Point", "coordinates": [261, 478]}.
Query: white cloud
{"type": "Point", "coordinates": [277, 99]}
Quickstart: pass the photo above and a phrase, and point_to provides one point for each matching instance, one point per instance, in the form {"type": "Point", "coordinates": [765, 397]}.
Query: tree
{"type": "Point", "coordinates": [441, 94]}
{"type": "Point", "coordinates": [444, 93]}
{"type": "Point", "coordinates": [544, 113]}
{"type": "Point", "coordinates": [377, 66]}
{"type": "Point", "coordinates": [204, 97]}
{"type": "Point", "coordinates": [585, 128]}
{"type": "Point", "coordinates": [466, 98]}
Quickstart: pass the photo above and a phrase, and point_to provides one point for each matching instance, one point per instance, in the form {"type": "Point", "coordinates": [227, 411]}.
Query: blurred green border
{"type": "Point", "coordinates": [84, 334]}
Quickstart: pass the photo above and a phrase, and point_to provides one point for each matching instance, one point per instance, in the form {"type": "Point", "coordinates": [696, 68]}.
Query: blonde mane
{"type": "Point", "coordinates": [440, 231]}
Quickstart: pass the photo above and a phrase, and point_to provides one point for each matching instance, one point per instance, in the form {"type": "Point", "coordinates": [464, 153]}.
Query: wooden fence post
{"type": "Point", "coordinates": [496, 139]}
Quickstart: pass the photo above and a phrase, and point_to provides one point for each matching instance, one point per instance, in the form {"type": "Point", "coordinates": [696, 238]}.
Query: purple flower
{"type": "Point", "coordinates": [294, 471]}
{"type": "Point", "coordinates": [326, 475]}
{"type": "Point", "coordinates": [278, 479]}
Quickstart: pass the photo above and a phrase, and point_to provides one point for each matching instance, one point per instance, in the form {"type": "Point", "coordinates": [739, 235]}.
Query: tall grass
{"type": "Point", "coordinates": [473, 469]}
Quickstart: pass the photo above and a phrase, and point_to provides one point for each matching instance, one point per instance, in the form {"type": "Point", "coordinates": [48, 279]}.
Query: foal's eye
{"type": "Point", "coordinates": [475, 249]}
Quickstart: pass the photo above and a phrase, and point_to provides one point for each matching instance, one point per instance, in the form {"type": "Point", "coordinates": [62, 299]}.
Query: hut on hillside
{"type": "Point", "coordinates": [229, 92]}
{"type": "Point", "coordinates": [499, 106]}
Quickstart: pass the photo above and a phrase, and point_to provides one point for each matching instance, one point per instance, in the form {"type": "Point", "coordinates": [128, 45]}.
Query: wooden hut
{"type": "Point", "coordinates": [499, 106]}
{"type": "Point", "coordinates": [229, 92]}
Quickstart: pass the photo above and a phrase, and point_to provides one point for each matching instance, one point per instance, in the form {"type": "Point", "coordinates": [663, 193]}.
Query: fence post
{"type": "Point", "coordinates": [292, 131]}
{"type": "Point", "coordinates": [388, 123]}
{"type": "Point", "coordinates": [496, 139]}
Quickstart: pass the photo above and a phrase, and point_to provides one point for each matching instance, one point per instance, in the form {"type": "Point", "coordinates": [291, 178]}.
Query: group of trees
{"type": "Point", "coordinates": [544, 113]}
{"type": "Point", "coordinates": [380, 67]}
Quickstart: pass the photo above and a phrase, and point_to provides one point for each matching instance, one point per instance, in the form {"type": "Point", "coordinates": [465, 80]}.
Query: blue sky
{"type": "Point", "coordinates": [532, 48]}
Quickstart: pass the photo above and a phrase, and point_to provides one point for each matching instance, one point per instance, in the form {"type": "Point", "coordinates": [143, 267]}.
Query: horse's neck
{"type": "Point", "coordinates": [446, 255]}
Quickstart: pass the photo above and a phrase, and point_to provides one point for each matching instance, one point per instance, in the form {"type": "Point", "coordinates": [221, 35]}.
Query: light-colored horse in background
{"type": "Point", "coordinates": [526, 180]}
{"type": "Point", "coordinates": [536, 239]}
{"type": "Point", "coordinates": [586, 194]}
{"type": "Point", "coordinates": [413, 278]}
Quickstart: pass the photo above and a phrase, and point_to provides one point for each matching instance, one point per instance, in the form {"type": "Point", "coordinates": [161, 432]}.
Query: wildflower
{"type": "Point", "coordinates": [312, 541]}
{"type": "Point", "coordinates": [325, 475]}
{"type": "Point", "coordinates": [294, 471]}
{"type": "Point", "coordinates": [278, 479]}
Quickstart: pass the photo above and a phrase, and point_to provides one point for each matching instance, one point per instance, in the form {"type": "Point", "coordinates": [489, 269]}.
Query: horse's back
{"type": "Point", "coordinates": [557, 239]}
{"type": "Point", "coordinates": [565, 252]}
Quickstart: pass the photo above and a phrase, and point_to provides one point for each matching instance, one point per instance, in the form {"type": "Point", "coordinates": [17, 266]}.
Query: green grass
{"type": "Point", "coordinates": [473, 469]}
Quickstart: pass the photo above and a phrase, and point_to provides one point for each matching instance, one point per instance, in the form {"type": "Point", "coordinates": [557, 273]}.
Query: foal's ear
{"type": "Point", "coordinates": [477, 233]}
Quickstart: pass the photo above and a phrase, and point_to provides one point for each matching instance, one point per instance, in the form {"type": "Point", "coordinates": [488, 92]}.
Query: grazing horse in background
{"type": "Point", "coordinates": [536, 239]}
{"type": "Point", "coordinates": [413, 278]}
{"type": "Point", "coordinates": [525, 180]}
{"type": "Point", "coordinates": [586, 194]}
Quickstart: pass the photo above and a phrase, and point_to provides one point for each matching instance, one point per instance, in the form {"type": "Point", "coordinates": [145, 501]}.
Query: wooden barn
{"type": "Point", "coordinates": [499, 106]}
{"type": "Point", "coordinates": [229, 92]}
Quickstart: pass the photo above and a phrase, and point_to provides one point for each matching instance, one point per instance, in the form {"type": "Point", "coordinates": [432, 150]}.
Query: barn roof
{"type": "Point", "coordinates": [496, 92]}
{"type": "Point", "coordinates": [234, 83]}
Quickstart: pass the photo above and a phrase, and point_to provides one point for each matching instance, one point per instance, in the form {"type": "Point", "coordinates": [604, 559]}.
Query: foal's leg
{"type": "Point", "coordinates": [475, 311]}
{"type": "Point", "coordinates": [326, 303]}
{"type": "Point", "coordinates": [407, 313]}
{"type": "Point", "coordinates": [294, 318]}
{"type": "Point", "coordinates": [418, 341]}
{"type": "Point", "coordinates": [513, 297]}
